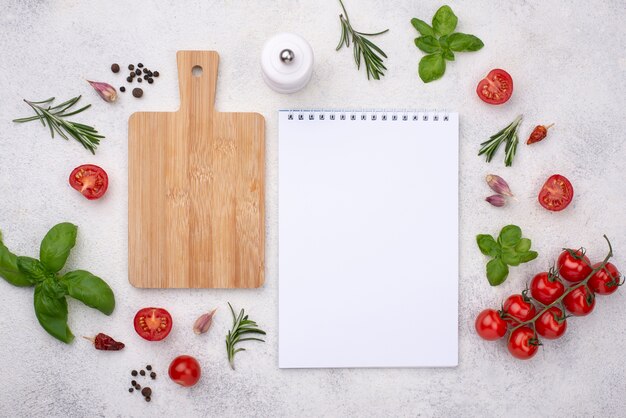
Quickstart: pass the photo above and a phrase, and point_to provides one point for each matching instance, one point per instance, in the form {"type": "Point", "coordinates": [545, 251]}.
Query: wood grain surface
{"type": "Point", "coordinates": [196, 189]}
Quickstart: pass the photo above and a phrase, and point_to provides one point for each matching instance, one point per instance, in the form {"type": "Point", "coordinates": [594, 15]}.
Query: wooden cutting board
{"type": "Point", "coordinates": [196, 189]}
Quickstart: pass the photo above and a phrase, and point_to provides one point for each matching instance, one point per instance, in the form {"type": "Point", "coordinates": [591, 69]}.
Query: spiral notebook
{"type": "Point", "coordinates": [368, 239]}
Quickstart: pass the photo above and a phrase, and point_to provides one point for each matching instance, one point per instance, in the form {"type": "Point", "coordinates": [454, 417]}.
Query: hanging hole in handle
{"type": "Point", "coordinates": [196, 71]}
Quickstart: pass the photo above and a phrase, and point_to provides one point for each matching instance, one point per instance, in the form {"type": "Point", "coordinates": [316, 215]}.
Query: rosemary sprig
{"type": "Point", "coordinates": [362, 47]}
{"type": "Point", "coordinates": [241, 325]}
{"type": "Point", "coordinates": [508, 134]}
{"type": "Point", "coordinates": [54, 117]}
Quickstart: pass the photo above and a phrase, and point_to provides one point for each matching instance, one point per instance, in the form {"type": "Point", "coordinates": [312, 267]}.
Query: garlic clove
{"type": "Point", "coordinates": [203, 323]}
{"type": "Point", "coordinates": [106, 91]}
{"type": "Point", "coordinates": [496, 200]}
{"type": "Point", "coordinates": [498, 185]}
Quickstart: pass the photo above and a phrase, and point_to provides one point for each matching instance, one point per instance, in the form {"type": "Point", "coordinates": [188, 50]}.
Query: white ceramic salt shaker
{"type": "Point", "coordinates": [287, 62]}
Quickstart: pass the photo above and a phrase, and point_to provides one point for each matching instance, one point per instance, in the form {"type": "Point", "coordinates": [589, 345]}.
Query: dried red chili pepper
{"type": "Point", "coordinates": [104, 342]}
{"type": "Point", "coordinates": [538, 133]}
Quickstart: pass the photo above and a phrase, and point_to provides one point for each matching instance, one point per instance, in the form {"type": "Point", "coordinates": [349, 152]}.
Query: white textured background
{"type": "Point", "coordinates": [568, 64]}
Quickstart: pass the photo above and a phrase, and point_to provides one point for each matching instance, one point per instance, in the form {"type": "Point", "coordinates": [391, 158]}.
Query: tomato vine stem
{"type": "Point", "coordinates": [558, 302]}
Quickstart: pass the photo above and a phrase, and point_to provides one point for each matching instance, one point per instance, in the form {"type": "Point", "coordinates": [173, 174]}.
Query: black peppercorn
{"type": "Point", "coordinates": [146, 392]}
{"type": "Point", "coordinates": [150, 81]}
{"type": "Point", "coordinates": [140, 65]}
{"type": "Point", "coordinates": [129, 79]}
{"type": "Point", "coordinates": [139, 80]}
{"type": "Point", "coordinates": [133, 382]}
{"type": "Point", "coordinates": [138, 386]}
{"type": "Point", "coordinates": [132, 74]}
{"type": "Point", "coordinates": [145, 77]}
{"type": "Point", "coordinates": [134, 372]}
{"type": "Point", "coordinates": [156, 73]}
{"type": "Point", "coordinates": [138, 71]}
{"type": "Point", "coordinates": [145, 71]}
{"type": "Point", "coordinates": [148, 367]}
{"type": "Point", "coordinates": [115, 68]}
{"type": "Point", "coordinates": [137, 92]}
{"type": "Point", "coordinates": [143, 372]}
{"type": "Point", "coordinates": [153, 375]}
{"type": "Point", "coordinates": [122, 89]}
{"type": "Point", "coordinates": [148, 399]}
{"type": "Point", "coordinates": [131, 67]}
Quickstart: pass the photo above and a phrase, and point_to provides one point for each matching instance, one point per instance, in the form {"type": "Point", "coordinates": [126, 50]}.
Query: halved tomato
{"type": "Point", "coordinates": [496, 88]}
{"type": "Point", "coordinates": [153, 324]}
{"type": "Point", "coordinates": [90, 180]}
{"type": "Point", "coordinates": [556, 193]}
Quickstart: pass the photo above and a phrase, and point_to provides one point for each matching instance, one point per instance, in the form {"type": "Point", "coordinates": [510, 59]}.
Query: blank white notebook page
{"type": "Point", "coordinates": [368, 239]}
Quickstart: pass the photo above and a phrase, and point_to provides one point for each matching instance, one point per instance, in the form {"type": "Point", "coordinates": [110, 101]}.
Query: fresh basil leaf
{"type": "Point", "coordinates": [422, 27]}
{"type": "Point", "coordinates": [447, 54]}
{"type": "Point", "coordinates": [427, 44]}
{"type": "Point", "coordinates": [488, 245]}
{"type": "Point", "coordinates": [510, 257]}
{"type": "Point", "coordinates": [510, 236]}
{"type": "Point", "coordinates": [523, 245]}
{"type": "Point", "coordinates": [431, 67]}
{"type": "Point", "coordinates": [497, 272]}
{"type": "Point", "coordinates": [443, 41]}
{"type": "Point", "coordinates": [32, 268]}
{"type": "Point", "coordinates": [89, 289]}
{"type": "Point", "coordinates": [444, 21]}
{"type": "Point", "coordinates": [527, 256]}
{"type": "Point", "coordinates": [56, 246]}
{"type": "Point", "coordinates": [9, 270]}
{"type": "Point", "coordinates": [461, 42]}
{"type": "Point", "coordinates": [51, 310]}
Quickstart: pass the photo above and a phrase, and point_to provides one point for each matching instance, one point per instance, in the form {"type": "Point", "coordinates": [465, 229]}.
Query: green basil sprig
{"type": "Point", "coordinates": [440, 42]}
{"type": "Point", "coordinates": [51, 290]}
{"type": "Point", "coordinates": [509, 250]}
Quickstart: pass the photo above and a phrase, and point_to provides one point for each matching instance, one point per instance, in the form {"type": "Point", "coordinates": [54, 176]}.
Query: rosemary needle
{"type": "Point", "coordinates": [508, 134]}
{"type": "Point", "coordinates": [363, 48]}
{"type": "Point", "coordinates": [241, 325]}
{"type": "Point", "coordinates": [55, 116]}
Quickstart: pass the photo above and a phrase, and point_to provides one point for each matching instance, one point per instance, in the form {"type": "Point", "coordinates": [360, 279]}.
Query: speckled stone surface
{"type": "Point", "coordinates": [569, 68]}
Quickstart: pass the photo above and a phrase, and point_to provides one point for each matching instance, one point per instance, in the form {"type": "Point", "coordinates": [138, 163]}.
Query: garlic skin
{"type": "Point", "coordinates": [498, 185]}
{"type": "Point", "coordinates": [496, 200]}
{"type": "Point", "coordinates": [106, 91]}
{"type": "Point", "coordinates": [203, 323]}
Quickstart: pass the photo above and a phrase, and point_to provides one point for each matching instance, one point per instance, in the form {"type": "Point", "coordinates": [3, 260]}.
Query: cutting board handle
{"type": "Point", "coordinates": [197, 80]}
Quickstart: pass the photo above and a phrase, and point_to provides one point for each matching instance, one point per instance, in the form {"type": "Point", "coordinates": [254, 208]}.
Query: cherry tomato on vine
{"type": "Point", "coordinates": [556, 194]}
{"type": "Point", "coordinates": [580, 301]}
{"type": "Point", "coordinates": [496, 88]}
{"type": "Point", "coordinates": [574, 266]}
{"type": "Point", "coordinates": [546, 288]}
{"type": "Point", "coordinates": [90, 180]}
{"type": "Point", "coordinates": [153, 324]}
{"type": "Point", "coordinates": [490, 325]}
{"type": "Point", "coordinates": [185, 370]}
{"type": "Point", "coordinates": [551, 324]}
{"type": "Point", "coordinates": [518, 307]}
{"type": "Point", "coordinates": [603, 283]}
{"type": "Point", "coordinates": [523, 343]}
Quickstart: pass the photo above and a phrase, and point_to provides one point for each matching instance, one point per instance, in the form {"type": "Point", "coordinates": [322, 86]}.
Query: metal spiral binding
{"type": "Point", "coordinates": [392, 115]}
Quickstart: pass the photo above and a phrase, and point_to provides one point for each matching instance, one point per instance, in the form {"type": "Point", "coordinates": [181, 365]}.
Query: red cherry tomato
{"type": "Point", "coordinates": [185, 370]}
{"type": "Point", "coordinates": [153, 324]}
{"type": "Point", "coordinates": [496, 88]}
{"type": "Point", "coordinates": [604, 283]}
{"type": "Point", "coordinates": [523, 343]}
{"type": "Point", "coordinates": [556, 194]}
{"type": "Point", "coordinates": [551, 324]}
{"type": "Point", "coordinates": [90, 180]}
{"type": "Point", "coordinates": [574, 266]}
{"type": "Point", "coordinates": [490, 325]}
{"type": "Point", "coordinates": [546, 288]}
{"type": "Point", "coordinates": [580, 301]}
{"type": "Point", "coordinates": [518, 307]}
